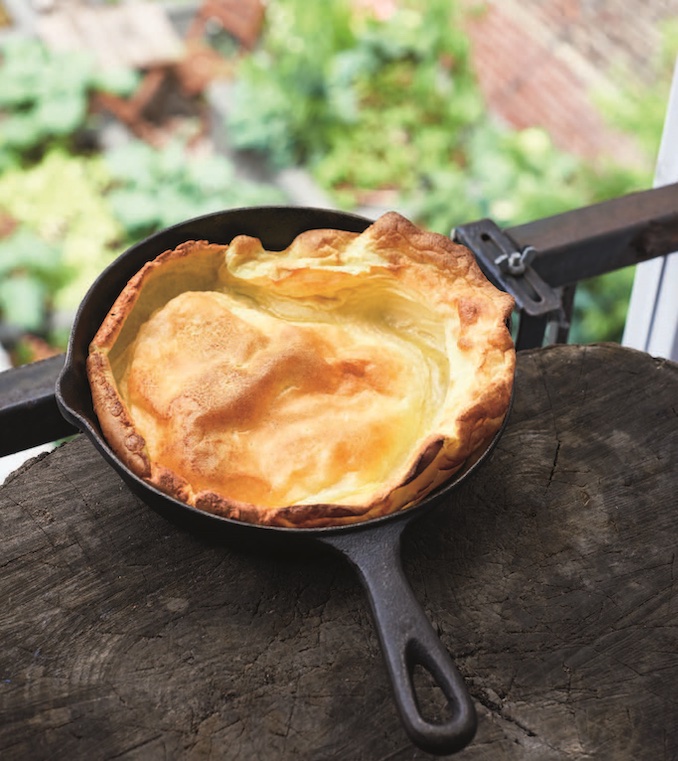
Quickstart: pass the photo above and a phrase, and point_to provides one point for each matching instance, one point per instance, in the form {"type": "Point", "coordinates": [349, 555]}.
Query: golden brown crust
{"type": "Point", "coordinates": [342, 379]}
{"type": "Point", "coordinates": [116, 423]}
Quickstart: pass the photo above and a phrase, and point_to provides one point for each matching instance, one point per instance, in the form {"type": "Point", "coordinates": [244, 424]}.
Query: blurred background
{"type": "Point", "coordinates": [120, 118]}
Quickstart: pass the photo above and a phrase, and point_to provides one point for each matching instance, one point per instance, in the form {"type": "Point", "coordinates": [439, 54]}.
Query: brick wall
{"type": "Point", "coordinates": [543, 62]}
{"type": "Point", "coordinates": [608, 33]}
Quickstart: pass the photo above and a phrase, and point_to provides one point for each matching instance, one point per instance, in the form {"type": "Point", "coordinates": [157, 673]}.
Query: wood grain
{"type": "Point", "coordinates": [549, 576]}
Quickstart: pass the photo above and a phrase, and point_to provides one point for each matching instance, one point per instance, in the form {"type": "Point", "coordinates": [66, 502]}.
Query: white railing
{"type": "Point", "coordinates": [652, 318]}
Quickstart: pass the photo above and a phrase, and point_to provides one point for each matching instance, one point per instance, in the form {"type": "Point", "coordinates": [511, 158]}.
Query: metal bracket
{"type": "Point", "coordinates": [509, 268]}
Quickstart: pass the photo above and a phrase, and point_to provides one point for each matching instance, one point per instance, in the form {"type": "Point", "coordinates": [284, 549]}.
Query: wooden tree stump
{"type": "Point", "coordinates": [551, 576]}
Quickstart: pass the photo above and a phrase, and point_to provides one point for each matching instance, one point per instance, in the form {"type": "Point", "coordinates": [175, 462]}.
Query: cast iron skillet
{"type": "Point", "coordinates": [373, 547]}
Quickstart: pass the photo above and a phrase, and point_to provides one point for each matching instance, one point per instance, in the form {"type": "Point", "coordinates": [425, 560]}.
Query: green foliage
{"type": "Point", "coordinates": [281, 104]}
{"type": "Point", "coordinates": [638, 110]}
{"type": "Point", "coordinates": [66, 235]}
{"type": "Point", "coordinates": [600, 307]}
{"type": "Point", "coordinates": [414, 102]}
{"type": "Point", "coordinates": [511, 177]}
{"type": "Point", "coordinates": [366, 105]}
{"type": "Point", "coordinates": [30, 269]}
{"type": "Point", "coordinates": [152, 189]}
{"type": "Point", "coordinates": [44, 98]}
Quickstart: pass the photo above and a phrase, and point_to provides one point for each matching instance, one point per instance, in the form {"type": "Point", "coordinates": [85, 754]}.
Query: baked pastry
{"type": "Point", "coordinates": [339, 380]}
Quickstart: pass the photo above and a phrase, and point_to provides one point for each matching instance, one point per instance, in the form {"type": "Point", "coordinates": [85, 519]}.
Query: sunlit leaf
{"type": "Point", "coordinates": [19, 131]}
{"type": "Point", "coordinates": [61, 115]}
{"type": "Point", "coordinates": [22, 301]}
{"type": "Point", "coordinates": [137, 210]}
{"type": "Point", "coordinates": [26, 251]}
{"type": "Point", "coordinates": [119, 81]}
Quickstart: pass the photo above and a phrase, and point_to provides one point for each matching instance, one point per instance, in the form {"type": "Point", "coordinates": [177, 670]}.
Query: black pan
{"type": "Point", "coordinates": [373, 547]}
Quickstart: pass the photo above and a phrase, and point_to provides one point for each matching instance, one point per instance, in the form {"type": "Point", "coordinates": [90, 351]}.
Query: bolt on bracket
{"type": "Point", "coordinates": [508, 267]}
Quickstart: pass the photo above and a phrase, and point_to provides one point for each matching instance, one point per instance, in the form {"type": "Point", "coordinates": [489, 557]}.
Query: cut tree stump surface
{"type": "Point", "coordinates": [550, 575]}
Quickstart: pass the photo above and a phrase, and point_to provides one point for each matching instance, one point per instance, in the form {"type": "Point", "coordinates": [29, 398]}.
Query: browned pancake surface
{"type": "Point", "coordinates": [338, 380]}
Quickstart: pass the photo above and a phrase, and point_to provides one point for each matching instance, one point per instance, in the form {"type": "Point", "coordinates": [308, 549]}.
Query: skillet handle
{"type": "Point", "coordinates": [407, 638]}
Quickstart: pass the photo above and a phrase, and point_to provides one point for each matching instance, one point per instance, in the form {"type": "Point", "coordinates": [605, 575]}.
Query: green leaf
{"type": "Point", "coordinates": [22, 301]}
{"type": "Point", "coordinates": [20, 131]}
{"type": "Point", "coordinates": [138, 211]}
{"type": "Point", "coordinates": [122, 82]}
{"type": "Point", "coordinates": [131, 162]}
{"type": "Point", "coordinates": [22, 62]}
{"type": "Point", "coordinates": [211, 174]}
{"type": "Point", "coordinates": [61, 115]}
{"type": "Point", "coordinates": [170, 162]}
{"type": "Point", "coordinates": [25, 251]}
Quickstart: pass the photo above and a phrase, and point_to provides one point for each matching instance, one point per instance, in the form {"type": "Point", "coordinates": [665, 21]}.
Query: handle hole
{"type": "Point", "coordinates": [432, 702]}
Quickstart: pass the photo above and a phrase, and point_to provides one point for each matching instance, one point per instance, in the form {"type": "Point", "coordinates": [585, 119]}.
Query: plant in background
{"type": "Point", "coordinates": [414, 99]}
{"type": "Point", "coordinates": [50, 184]}
{"type": "Point", "coordinates": [511, 177]}
{"type": "Point", "coordinates": [600, 307]}
{"type": "Point", "coordinates": [639, 110]}
{"type": "Point", "coordinates": [81, 211]}
{"type": "Point", "coordinates": [44, 99]}
{"type": "Point", "coordinates": [369, 105]}
{"type": "Point", "coordinates": [31, 270]}
{"type": "Point", "coordinates": [151, 189]}
{"type": "Point", "coordinates": [60, 210]}
{"type": "Point", "coordinates": [279, 103]}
